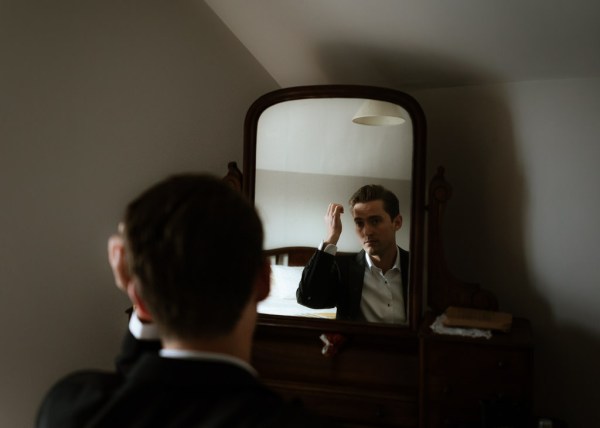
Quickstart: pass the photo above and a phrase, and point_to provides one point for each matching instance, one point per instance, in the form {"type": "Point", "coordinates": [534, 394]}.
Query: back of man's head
{"type": "Point", "coordinates": [195, 245]}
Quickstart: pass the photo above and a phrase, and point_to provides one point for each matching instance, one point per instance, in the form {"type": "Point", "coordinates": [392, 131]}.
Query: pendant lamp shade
{"type": "Point", "coordinates": [378, 113]}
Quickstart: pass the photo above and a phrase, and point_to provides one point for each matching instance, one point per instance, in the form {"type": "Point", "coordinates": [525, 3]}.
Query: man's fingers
{"type": "Point", "coordinates": [335, 210]}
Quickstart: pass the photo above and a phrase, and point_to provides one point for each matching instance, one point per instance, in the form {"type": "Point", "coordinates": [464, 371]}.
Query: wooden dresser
{"type": "Point", "coordinates": [372, 381]}
{"type": "Point", "coordinates": [468, 382]}
{"type": "Point", "coordinates": [385, 376]}
{"type": "Point", "coordinates": [386, 380]}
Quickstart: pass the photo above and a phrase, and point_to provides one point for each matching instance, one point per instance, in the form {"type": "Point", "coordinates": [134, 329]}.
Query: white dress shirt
{"type": "Point", "coordinates": [382, 298]}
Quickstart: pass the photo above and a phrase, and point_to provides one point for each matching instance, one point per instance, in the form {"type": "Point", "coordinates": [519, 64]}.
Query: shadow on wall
{"type": "Point", "coordinates": [471, 134]}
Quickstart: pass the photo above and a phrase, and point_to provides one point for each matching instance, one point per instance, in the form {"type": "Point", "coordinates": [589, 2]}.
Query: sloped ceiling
{"type": "Point", "coordinates": [417, 43]}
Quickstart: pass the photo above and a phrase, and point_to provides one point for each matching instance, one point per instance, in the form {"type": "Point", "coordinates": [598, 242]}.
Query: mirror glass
{"type": "Point", "coordinates": [310, 153]}
{"type": "Point", "coordinates": [303, 151]}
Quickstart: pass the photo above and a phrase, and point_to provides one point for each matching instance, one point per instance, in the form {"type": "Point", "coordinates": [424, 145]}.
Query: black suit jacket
{"type": "Point", "coordinates": [166, 392]}
{"type": "Point", "coordinates": [337, 281]}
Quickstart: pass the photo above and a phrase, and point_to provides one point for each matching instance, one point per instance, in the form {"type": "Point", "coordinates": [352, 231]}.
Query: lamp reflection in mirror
{"type": "Point", "coordinates": [378, 113]}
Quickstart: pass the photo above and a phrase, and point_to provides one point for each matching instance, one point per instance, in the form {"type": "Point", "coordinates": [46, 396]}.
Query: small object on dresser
{"type": "Point", "coordinates": [477, 318]}
{"type": "Point", "coordinates": [333, 342]}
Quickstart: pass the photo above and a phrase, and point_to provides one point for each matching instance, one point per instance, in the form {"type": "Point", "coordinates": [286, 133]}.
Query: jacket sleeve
{"type": "Point", "coordinates": [319, 283]}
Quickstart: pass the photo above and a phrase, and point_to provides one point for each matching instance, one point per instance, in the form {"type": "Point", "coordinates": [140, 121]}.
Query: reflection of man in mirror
{"type": "Point", "coordinates": [368, 286]}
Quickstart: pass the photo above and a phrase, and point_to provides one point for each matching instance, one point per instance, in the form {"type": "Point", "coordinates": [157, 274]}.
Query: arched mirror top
{"type": "Point", "coordinates": [302, 149]}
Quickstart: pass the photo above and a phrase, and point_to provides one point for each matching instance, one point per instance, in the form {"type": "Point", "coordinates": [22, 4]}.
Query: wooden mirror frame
{"type": "Point", "coordinates": [417, 238]}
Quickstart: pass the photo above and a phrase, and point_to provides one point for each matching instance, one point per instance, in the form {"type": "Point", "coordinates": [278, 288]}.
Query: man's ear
{"type": "Point", "coordinates": [118, 262]}
{"type": "Point", "coordinates": [262, 283]}
{"type": "Point", "coordinates": [398, 222]}
{"type": "Point", "coordinates": [139, 305]}
{"type": "Point", "coordinates": [117, 258]}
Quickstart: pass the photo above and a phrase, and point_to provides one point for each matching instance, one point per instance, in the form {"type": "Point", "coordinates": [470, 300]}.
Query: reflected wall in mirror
{"type": "Point", "coordinates": [303, 151]}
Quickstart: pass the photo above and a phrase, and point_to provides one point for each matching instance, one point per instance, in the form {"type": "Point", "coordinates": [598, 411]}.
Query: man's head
{"type": "Point", "coordinates": [194, 251]}
{"type": "Point", "coordinates": [376, 213]}
{"type": "Point", "coordinates": [374, 192]}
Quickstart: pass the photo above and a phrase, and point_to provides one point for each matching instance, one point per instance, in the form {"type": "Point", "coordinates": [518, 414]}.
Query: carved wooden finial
{"type": "Point", "coordinates": [444, 289]}
{"type": "Point", "coordinates": [234, 176]}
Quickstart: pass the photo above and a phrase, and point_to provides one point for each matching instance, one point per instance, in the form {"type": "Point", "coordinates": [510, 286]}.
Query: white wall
{"type": "Point", "coordinates": [293, 207]}
{"type": "Point", "coordinates": [523, 221]}
{"type": "Point", "coordinates": [98, 99]}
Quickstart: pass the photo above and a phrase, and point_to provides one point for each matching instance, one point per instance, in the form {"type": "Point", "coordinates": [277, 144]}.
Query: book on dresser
{"type": "Point", "coordinates": [477, 318]}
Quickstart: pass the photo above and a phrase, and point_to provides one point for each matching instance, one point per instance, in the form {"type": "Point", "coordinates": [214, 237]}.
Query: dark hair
{"type": "Point", "coordinates": [195, 246]}
{"type": "Point", "coordinates": [374, 192]}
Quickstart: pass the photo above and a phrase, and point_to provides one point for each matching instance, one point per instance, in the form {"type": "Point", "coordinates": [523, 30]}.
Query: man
{"type": "Point", "coordinates": [189, 256]}
{"type": "Point", "coordinates": [368, 286]}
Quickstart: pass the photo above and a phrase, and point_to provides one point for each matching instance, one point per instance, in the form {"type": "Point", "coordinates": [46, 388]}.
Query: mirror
{"type": "Point", "coordinates": [302, 151]}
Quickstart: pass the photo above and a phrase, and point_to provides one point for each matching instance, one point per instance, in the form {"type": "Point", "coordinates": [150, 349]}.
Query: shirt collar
{"type": "Point", "coordinates": [371, 265]}
{"type": "Point", "coordinates": [140, 330]}
{"type": "Point", "coordinates": [187, 354]}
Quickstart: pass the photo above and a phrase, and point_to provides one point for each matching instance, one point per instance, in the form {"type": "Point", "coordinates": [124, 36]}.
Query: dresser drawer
{"type": "Point", "coordinates": [453, 417]}
{"type": "Point", "coordinates": [457, 413]}
{"type": "Point", "coordinates": [478, 364]}
{"type": "Point", "coordinates": [356, 407]}
{"type": "Point", "coordinates": [455, 391]}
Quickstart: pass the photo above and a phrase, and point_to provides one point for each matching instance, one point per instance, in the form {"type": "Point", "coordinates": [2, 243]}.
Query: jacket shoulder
{"type": "Point", "coordinates": [73, 400]}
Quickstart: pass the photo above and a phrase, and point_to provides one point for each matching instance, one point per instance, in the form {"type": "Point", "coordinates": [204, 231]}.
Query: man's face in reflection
{"type": "Point", "coordinates": [374, 227]}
